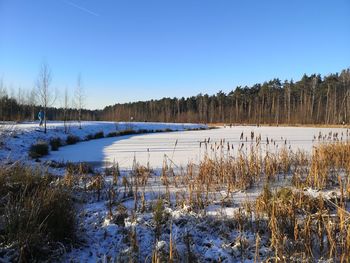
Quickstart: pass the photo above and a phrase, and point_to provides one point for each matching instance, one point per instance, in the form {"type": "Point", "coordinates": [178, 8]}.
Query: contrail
{"type": "Point", "coordinates": [81, 8]}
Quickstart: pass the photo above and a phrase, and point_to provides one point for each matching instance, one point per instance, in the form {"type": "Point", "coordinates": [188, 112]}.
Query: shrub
{"type": "Point", "coordinates": [39, 149]}
{"type": "Point", "coordinates": [165, 130]}
{"type": "Point", "coordinates": [55, 143]}
{"type": "Point", "coordinates": [112, 134]}
{"type": "Point", "coordinates": [89, 137]}
{"type": "Point", "coordinates": [127, 132]}
{"type": "Point", "coordinates": [99, 135]}
{"type": "Point", "coordinates": [141, 131]}
{"type": "Point", "coordinates": [38, 213]}
{"type": "Point", "coordinates": [72, 139]}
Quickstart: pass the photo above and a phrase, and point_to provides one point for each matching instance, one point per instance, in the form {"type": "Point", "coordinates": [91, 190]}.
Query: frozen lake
{"type": "Point", "coordinates": [154, 147]}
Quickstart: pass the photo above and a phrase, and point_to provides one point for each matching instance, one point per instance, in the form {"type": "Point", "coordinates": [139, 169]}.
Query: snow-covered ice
{"type": "Point", "coordinates": [184, 146]}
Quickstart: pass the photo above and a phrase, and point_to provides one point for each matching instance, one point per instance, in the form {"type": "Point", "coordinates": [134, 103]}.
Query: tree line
{"type": "Point", "coordinates": [311, 100]}
{"type": "Point", "coordinates": [11, 110]}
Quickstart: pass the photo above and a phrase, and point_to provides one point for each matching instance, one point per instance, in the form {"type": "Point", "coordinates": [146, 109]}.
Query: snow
{"type": "Point", "coordinates": [210, 231]}
{"type": "Point", "coordinates": [19, 137]}
{"type": "Point", "coordinates": [180, 147]}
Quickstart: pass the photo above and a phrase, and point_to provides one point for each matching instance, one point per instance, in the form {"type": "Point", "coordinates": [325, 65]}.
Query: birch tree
{"type": "Point", "coordinates": [65, 110]}
{"type": "Point", "coordinates": [79, 98]}
{"type": "Point", "coordinates": [45, 95]}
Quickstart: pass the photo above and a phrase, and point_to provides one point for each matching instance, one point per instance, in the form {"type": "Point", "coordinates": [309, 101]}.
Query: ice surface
{"type": "Point", "coordinates": [185, 146]}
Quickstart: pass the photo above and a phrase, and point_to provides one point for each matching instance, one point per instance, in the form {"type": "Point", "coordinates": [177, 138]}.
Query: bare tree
{"type": "Point", "coordinates": [45, 95]}
{"type": "Point", "coordinates": [7, 127]}
{"type": "Point", "coordinates": [3, 93]}
{"type": "Point", "coordinates": [79, 98]}
{"type": "Point", "coordinates": [32, 102]}
{"type": "Point", "coordinates": [65, 110]}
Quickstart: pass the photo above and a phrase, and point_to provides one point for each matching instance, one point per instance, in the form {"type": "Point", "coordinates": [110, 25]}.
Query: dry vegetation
{"type": "Point", "coordinates": [6, 129]}
{"type": "Point", "coordinates": [299, 227]}
{"type": "Point", "coordinates": [37, 215]}
{"type": "Point", "coordinates": [39, 149]}
{"type": "Point", "coordinates": [286, 222]}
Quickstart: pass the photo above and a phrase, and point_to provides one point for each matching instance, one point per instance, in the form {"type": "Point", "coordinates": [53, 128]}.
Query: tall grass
{"type": "Point", "coordinates": [298, 226]}
{"type": "Point", "coordinates": [38, 215]}
{"type": "Point", "coordinates": [327, 162]}
{"type": "Point", "coordinates": [293, 224]}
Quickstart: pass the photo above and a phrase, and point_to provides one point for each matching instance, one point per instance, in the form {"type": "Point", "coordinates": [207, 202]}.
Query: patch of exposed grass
{"type": "Point", "coordinates": [39, 149]}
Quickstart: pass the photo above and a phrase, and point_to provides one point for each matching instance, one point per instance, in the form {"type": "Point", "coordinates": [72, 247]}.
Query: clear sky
{"type": "Point", "coordinates": [128, 50]}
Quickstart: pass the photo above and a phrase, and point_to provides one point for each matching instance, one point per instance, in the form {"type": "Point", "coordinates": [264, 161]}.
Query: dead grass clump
{"type": "Point", "coordinates": [113, 171]}
{"type": "Point", "coordinates": [112, 134]}
{"type": "Point", "coordinates": [55, 143]}
{"type": "Point", "coordinates": [37, 214]}
{"type": "Point", "coordinates": [99, 135]}
{"type": "Point", "coordinates": [79, 168]}
{"type": "Point", "coordinates": [38, 149]}
{"type": "Point", "coordinates": [285, 161]}
{"type": "Point", "coordinates": [328, 161]}
{"type": "Point", "coordinates": [72, 139]}
{"type": "Point", "coordinates": [301, 226]}
{"type": "Point", "coordinates": [270, 166]}
{"type": "Point", "coordinates": [127, 132]}
{"type": "Point", "coordinates": [141, 174]}
{"type": "Point", "coordinates": [120, 215]}
{"type": "Point", "coordinates": [96, 184]}
{"type": "Point", "coordinates": [220, 170]}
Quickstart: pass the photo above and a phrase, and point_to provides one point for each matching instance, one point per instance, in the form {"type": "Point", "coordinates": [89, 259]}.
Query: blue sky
{"type": "Point", "coordinates": [128, 50]}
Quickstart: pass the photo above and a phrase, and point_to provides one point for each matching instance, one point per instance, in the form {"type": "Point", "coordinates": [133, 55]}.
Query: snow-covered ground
{"type": "Point", "coordinates": [17, 138]}
{"type": "Point", "coordinates": [187, 146]}
{"type": "Point", "coordinates": [207, 234]}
